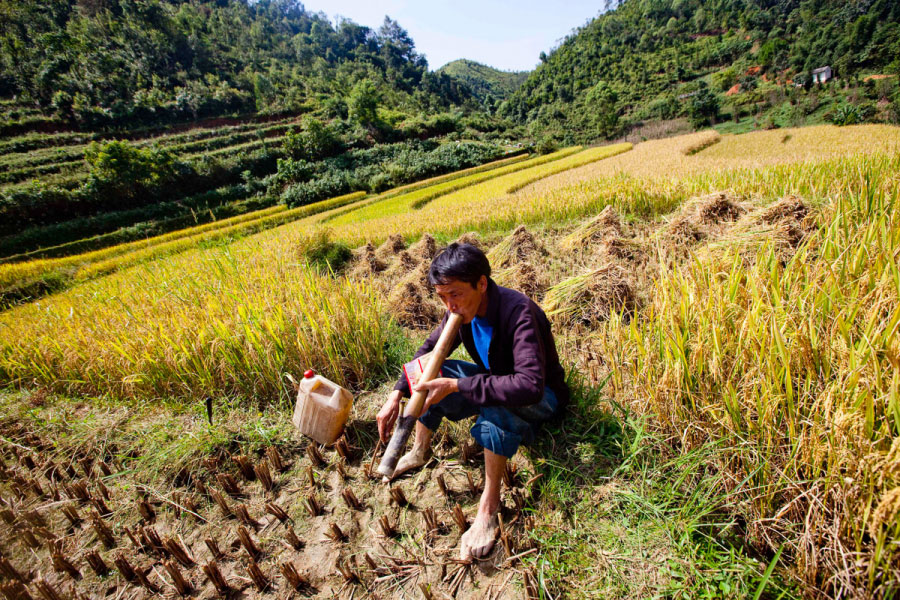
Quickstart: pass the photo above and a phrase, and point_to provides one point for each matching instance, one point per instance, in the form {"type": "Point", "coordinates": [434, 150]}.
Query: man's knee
{"type": "Point", "coordinates": [454, 407]}
{"type": "Point", "coordinates": [494, 434]}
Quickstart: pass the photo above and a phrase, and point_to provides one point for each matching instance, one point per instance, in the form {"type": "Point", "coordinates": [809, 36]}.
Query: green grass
{"type": "Point", "coordinates": [620, 516]}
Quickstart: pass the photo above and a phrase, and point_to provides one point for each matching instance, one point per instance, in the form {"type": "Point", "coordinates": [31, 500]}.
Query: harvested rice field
{"type": "Point", "coordinates": [727, 310]}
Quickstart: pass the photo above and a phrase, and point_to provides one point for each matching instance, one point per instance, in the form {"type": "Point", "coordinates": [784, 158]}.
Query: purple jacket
{"type": "Point", "coordinates": [522, 354]}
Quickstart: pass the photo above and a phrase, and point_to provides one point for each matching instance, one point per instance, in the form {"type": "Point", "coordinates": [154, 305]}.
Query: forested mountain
{"type": "Point", "coordinates": [658, 59]}
{"type": "Point", "coordinates": [102, 62]}
{"type": "Point", "coordinates": [121, 119]}
{"type": "Point", "coordinates": [488, 84]}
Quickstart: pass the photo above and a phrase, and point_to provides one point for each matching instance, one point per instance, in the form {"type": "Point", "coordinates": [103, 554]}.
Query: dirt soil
{"type": "Point", "coordinates": [39, 483]}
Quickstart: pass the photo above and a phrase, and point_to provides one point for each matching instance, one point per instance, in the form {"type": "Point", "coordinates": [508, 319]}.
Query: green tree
{"type": "Point", "coordinates": [118, 168]}
{"type": "Point", "coordinates": [363, 103]}
{"type": "Point", "coordinates": [725, 79]}
{"type": "Point", "coordinates": [315, 142]}
{"type": "Point", "coordinates": [704, 109]}
{"type": "Point", "coordinates": [263, 91]}
{"type": "Point", "coordinates": [601, 103]}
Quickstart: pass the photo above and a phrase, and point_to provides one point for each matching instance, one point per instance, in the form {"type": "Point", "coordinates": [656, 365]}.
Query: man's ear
{"type": "Point", "coordinates": [482, 284]}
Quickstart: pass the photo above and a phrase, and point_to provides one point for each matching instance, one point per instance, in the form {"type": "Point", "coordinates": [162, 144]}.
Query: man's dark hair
{"type": "Point", "coordinates": [461, 262]}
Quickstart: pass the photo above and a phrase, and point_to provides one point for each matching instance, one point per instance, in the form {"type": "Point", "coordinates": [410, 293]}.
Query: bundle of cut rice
{"type": "Point", "coordinates": [412, 301]}
{"type": "Point", "coordinates": [591, 297]}
{"type": "Point", "coordinates": [604, 226]}
{"type": "Point", "coordinates": [391, 247]}
{"type": "Point", "coordinates": [520, 246]}
{"type": "Point", "coordinates": [366, 263]}
{"type": "Point", "coordinates": [425, 249]}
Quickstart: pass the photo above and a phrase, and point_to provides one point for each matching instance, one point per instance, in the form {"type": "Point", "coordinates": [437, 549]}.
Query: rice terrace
{"type": "Point", "coordinates": [213, 212]}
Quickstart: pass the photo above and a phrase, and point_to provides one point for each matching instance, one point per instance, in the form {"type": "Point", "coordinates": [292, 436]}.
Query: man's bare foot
{"type": "Point", "coordinates": [478, 540]}
{"type": "Point", "coordinates": [413, 459]}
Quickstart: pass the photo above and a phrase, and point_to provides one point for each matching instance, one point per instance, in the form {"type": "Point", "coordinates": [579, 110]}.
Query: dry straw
{"type": "Point", "coordinates": [519, 261]}
{"type": "Point", "coordinates": [249, 544]}
{"type": "Point", "coordinates": [592, 297]}
{"type": "Point", "coordinates": [293, 577]}
{"type": "Point", "coordinates": [214, 574]}
{"type": "Point", "coordinates": [275, 458]}
{"type": "Point", "coordinates": [276, 511]}
{"type": "Point", "coordinates": [607, 224]}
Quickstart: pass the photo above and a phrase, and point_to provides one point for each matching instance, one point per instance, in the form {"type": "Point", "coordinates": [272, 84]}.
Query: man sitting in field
{"type": "Point", "coordinates": [516, 383]}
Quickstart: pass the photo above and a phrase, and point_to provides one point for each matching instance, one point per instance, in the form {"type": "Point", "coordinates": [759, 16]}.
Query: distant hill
{"type": "Point", "coordinates": [485, 82]}
{"type": "Point", "coordinates": [115, 63]}
{"type": "Point", "coordinates": [661, 59]}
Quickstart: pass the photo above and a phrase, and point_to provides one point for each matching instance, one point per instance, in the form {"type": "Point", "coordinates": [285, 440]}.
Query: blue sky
{"type": "Point", "coordinates": [505, 35]}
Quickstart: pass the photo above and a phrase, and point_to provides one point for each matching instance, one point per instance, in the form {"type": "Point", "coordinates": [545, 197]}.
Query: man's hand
{"type": "Point", "coordinates": [388, 414]}
{"type": "Point", "coordinates": [437, 390]}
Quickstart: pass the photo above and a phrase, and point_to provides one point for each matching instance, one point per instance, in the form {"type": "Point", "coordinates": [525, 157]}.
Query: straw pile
{"type": "Point", "coordinates": [391, 247]}
{"type": "Point", "coordinates": [604, 226]}
{"type": "Point", "coordinates": [520, 246]}
{"type": "Point", "coordinates": [412, 302]}
{"type": "Point", "coordinates": [718, 207]}
{"type": "Point", "coordinates": [425, 249]}
{"type": "Point", "coordinates": [704, 218]}
{"type": "Point", "coordinates": [517, 262]}
{"type": "Point", "coordinates": [787, 222]}
{"type": "Point", "coordinates": [366, 263]}
{"type": "Point", "coordinates": [621, 248]}
{"type": "Point", "coordinates": [404, 263]}
{"type": "Point", "coordinates": [470, 238]}
{"type": "Point", "coordinates": [591, 297]}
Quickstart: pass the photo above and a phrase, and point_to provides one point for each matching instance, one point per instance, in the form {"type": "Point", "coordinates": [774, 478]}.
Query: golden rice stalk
{"type": "Point", "coordinates": [701, 142]}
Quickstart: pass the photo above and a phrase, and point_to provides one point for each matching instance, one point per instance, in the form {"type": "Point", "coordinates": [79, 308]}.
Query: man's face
{"type": "Point", "coordinates": [460, 297]}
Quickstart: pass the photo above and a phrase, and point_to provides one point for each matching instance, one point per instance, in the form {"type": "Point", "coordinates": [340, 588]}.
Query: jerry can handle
{"type": "Point", "coordinates": [336, 397]}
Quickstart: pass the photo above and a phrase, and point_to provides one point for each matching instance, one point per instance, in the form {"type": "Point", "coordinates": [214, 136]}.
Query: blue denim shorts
{"type": "Point", "coordinates": [500, 430]}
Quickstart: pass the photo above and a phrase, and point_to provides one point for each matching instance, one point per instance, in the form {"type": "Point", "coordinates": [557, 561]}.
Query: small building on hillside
{"type": "Point", "coordinates": [821, 75]}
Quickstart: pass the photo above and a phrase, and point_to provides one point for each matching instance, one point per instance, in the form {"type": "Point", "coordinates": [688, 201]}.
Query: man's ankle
{"type": "Point", "coordinates": [420, 450]}
{"type": "Point", "coordinates": [487, 509]}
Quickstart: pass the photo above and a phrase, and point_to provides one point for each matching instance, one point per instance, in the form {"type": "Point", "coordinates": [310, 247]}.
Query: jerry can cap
{"type": "Point", "coordinates": [309, 374]}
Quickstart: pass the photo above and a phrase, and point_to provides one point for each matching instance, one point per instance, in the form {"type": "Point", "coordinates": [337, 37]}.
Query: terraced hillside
{"type": "Point", "coordinates": [64, 194]}
{"type": "Point", "coordinates": [27, 279]}
{"type": "Point", "coordinates": [38, 165]}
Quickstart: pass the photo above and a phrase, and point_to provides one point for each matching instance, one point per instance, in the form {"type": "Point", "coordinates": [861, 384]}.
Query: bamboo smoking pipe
{"type": "Point", "coordinates": [413, 408]}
